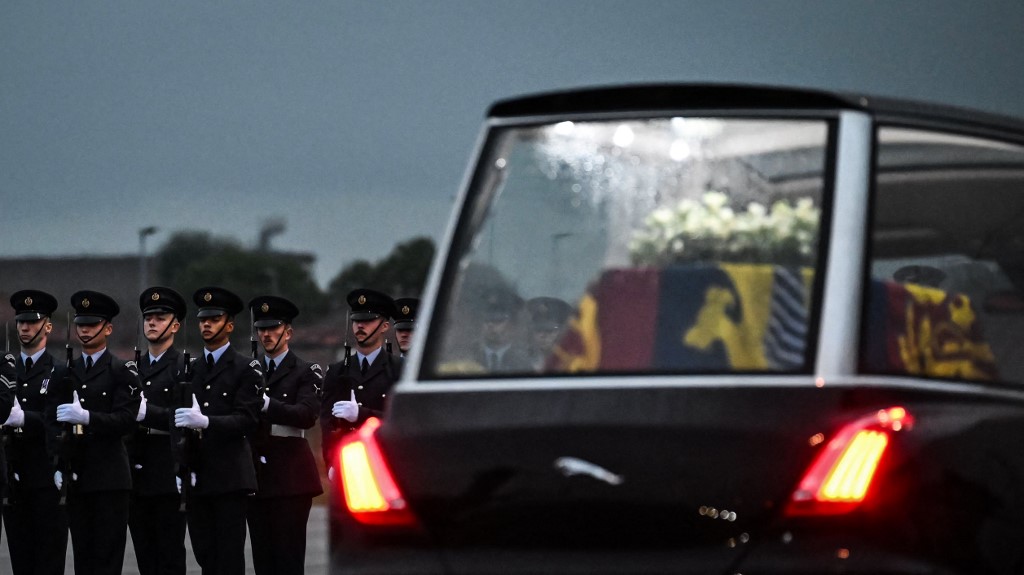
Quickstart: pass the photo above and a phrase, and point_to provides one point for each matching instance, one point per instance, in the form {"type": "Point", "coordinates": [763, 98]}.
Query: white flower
{"type": "Point", "coordinates": [710, 230]}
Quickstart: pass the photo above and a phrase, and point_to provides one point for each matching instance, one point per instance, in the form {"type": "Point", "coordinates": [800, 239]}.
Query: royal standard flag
{"type": "Point", "coordinates": [691, 317]}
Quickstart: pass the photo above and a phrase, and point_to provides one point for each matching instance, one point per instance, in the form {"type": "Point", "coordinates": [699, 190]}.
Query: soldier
{"type": "Point", "coordinates": [285, 467]}
{"type": "Point", "coordinates": [37, 526]}
{"type": "Point", "coordinates": [356, 388]}
{"type": "Point", "coordinates": [225, 411]}
{"type": "Point", "coordinates": [101, 407]}
{"type": "Point", "coordinates": [499, 350]}
{"type": "Point", "coordinates": [405, 320]}
{"type": "Point", "coordinates": [549, 317]}
{"type": "Point", "coordinates": [8, 381]}
{"type": "Point", "coordinates": [157, 524]}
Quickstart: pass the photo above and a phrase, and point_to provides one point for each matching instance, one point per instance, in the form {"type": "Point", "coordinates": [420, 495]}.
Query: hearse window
{"type": "Point", "coordinates": [947, 258]}
{"type": "Point", "coordinates": [666, 245]}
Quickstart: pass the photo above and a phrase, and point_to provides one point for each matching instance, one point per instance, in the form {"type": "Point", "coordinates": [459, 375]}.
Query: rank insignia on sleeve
{"type": "Point", "coordinates": [10, 383]}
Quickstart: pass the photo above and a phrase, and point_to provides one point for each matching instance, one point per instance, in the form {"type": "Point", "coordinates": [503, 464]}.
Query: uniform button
{"type": "Point", "coordinates": [104, 393]}
{"type": "Point", "coordinates": [284, 395]}
{"type": "Point", "coordinates": [225, 394]}
{"type": "Point", "coordinates": [84, 386]}
{"type": "Point", "coordinates": [24, 385]}
{"type": "Point", "coordinates": [206, 404]}
{"type": "Point", "coordinates": [149, 383]}
{"type": "Point", "coordinates": [81, 400]}
{"type": "Point", "coordinates": [360, 404]}
{"type": "Point", "coordinates": [207, 387]}
{"type": "Point", "coordinates": [360, 387]}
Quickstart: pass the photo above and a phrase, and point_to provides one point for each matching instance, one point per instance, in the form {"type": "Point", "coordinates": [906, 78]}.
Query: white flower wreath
{"type": "Point", "coordinates": [709, 230]}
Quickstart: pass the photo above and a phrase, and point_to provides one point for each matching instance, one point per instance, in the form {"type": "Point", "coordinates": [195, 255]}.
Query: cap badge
{"type": "Point", "coordinates": [362, 300]}
{"type": "Point", "coordinates": [207, 296]}
{"type": "Point", "coordinates": [405, 310]}
{"type": "Point", "coordinates": [28, 301]}
{"type": "Point", "coordinates": [264, 308]}
{"type": "Point", "coordinates": [155, 296]}
{"type": "Point", "coordinates": [85, 302]}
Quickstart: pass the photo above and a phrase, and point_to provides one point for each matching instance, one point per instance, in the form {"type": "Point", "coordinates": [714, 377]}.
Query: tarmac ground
{"type": "Point", "coordinates": [316, 550]}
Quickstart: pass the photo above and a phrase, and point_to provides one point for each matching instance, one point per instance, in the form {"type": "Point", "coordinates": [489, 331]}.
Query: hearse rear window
{"type": "Point", "coordinates": [666, 245]}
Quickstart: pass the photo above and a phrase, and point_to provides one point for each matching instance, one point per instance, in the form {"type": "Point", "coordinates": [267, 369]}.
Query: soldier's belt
{"type": "Point", "coordinates": [286, 431]}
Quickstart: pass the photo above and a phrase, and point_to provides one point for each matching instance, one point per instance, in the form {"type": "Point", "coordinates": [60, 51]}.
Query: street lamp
{"type": "Point", "coordinates": [143, 234]}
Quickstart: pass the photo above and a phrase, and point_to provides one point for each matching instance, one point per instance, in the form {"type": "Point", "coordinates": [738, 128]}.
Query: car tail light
{"type": "Point", "coordinates": [371, 495]}
{"type": "Point", "coordinates": [840, 477]}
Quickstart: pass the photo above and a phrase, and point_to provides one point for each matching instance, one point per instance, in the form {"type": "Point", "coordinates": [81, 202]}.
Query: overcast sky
{"type": "Point", "coordinates": [355, 120]}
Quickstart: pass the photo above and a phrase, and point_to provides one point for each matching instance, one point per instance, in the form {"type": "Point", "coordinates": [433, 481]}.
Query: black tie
{"type": "Point", "coordinates": [271, 368]}
{"type": "Point", "coordinates": [28, 364]}
{"type": "Point", "coordinates": [209, 360]}
{"type": "Point", "coordinates": [88, 362]}
{"type": "Point", "coordinates": [364, 367]}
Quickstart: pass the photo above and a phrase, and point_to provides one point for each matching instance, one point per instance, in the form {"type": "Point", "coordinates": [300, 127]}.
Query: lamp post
{"type": "Point", "coordinates": [143, 234]}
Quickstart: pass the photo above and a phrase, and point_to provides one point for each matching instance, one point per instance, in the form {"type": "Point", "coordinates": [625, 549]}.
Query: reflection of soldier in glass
{"type": "Point", "coordinates": [498, 351]}
{"type": "Point", "coordinates": [548, 319]}
{"type": "Point", "coordinates": [405, 320]}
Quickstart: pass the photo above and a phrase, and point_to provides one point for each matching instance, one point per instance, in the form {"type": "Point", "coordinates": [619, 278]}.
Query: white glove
{"type": "Point", "coordinates": [177, 483]}
{"type": "Point", "coordinates": [58, 479]}
{"type": "Point", "coordinates": [17, 417]}
{"type": "Point", "coordinates": [348, 410]}
{"type": "Point", "coordinates": [330, 474]}
{"type": "Point", "coordinates": [193, 479]}
{"type": "Point", "coordinates": [73, 412]}
{"type": "Point", "coordinates": [142, 407]}
{"type": "Point", "coordinates": [266, 403]}
{"type": "Point", "coordinates": [191, 416]}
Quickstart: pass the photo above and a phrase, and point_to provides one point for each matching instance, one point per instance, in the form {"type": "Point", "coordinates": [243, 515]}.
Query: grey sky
{"type": "Point", "coordinates": [355, 120]}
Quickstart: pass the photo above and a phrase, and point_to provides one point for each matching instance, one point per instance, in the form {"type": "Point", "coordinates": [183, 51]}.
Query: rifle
{"type": "Point", "coordinates": [345, 345]}
{"type": "Point", "coordinates": [138, 334]}
{"type": "Point", "coordinates": [67, 437]}
{"type": "Point", "coordinates": [252, 336]}
{"type": "Point", "coordinates": [187, 441]}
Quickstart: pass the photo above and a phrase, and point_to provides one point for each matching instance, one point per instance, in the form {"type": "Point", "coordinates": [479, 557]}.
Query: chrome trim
{"type": "Point", "coordinates": [838, 334]}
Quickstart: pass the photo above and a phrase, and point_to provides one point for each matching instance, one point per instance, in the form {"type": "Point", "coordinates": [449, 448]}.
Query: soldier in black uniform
{"type": "Point", "coordinates": [406, 309]}
{"type": "Point", "coordinates": [8, 381]}
{"type": "Point", "coordinates": [356, 388]}
{"type": "Point", "coordinates": [285, 467]}
{"type": "Point", "coordinates": [37, 526]}
{"type": "Point", "coordinates": [157, 524]}
{"type": "Point", "coordinates": [102, 407]}
{"type": "Point", "coordinates": [225, 410]}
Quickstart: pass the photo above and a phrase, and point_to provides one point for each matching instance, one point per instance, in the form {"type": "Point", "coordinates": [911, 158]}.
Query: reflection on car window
{"type": "Point", "coordinates": [677, 245]}
{"type": "Point", "coordinates": [947, 266]}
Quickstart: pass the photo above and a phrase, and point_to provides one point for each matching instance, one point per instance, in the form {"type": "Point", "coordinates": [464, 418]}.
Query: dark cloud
{"type": "Point", "coordinates": [355, 119]}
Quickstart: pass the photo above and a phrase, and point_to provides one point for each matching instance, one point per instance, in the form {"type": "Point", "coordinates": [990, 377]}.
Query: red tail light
{"type": "Point", "coordinates": [839, 479]}
{"type": "Point", "coordinates": [371, 495]}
